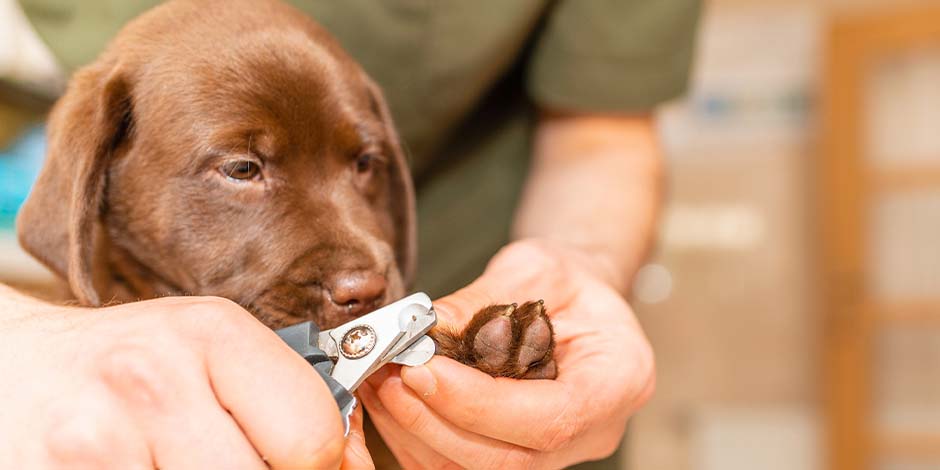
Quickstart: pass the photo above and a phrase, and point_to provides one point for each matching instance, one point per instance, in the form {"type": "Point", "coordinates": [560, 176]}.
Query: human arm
{"type": "Point", "coordinates": [584, 225]}
{"type": "Point", "coordinates": [594, 184]}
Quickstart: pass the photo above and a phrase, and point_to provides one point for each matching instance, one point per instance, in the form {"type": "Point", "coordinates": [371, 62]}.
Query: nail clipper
{"type": "Point", "coordinates": [346, 355]}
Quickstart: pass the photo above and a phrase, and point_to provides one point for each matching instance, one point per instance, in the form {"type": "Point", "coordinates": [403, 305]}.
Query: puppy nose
{"type": "Point", "coordinates": [357, 291]}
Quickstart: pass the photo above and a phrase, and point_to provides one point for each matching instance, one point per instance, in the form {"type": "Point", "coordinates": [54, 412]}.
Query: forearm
{"type": "Point", "coordinates": [595, 183]}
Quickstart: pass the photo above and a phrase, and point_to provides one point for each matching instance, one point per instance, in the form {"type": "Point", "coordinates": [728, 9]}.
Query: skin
{"type": "Point", "coordinates": [583, 228]}
{"type": "Point", "coordinates": [168, 383]}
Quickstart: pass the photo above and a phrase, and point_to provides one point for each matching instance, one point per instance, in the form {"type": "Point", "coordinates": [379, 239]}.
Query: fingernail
{"type": "Point", "coordinates": [420, 379]}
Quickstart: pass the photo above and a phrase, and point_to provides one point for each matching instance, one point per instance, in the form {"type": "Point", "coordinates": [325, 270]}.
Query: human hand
{"type": "Point", "coordinates": [169, 383]}
{"type": "Point", "coordinates": [447, 415]}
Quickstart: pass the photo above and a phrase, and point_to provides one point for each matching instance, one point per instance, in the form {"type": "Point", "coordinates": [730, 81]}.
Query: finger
{"type": "Point", "coordinates": [494, 407]}
{"type": "Point", "coordinates": [176, 410]}
{"type": "Point", "coordinates": [411, 448]}
{"type": "Point", "coordinates": [423, 432]}
{"type": "Point", "coordinates": [86, 430]}
{"type": "Point", "coordinates": [279, 401]}
{"type": "Point", "coordinates": [356, 455]}
{"type": "Point", "coordinates": [202, 436]}
{"type": "Point", "coordinates": [465, 448]}
{"type": "Point", "coordinates": [410, 452]}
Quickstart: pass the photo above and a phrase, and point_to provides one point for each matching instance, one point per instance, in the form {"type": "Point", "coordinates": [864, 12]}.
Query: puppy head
{"type": "Point", "coordinates": [214, 153]}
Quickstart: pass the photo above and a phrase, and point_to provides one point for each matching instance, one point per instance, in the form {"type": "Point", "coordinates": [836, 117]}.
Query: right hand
{"type": "Point", "coordinates": [184, 382]}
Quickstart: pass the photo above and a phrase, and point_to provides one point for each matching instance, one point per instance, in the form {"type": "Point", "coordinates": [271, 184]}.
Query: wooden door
{"type": "Point", "coordinates": [879, 214]}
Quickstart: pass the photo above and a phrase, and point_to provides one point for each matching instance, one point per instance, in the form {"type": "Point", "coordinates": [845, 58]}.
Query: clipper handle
{"type": "Point", "coordinates": [302, 338]}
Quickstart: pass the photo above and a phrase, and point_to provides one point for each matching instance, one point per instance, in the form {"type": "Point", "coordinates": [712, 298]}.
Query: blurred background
{"type": "Point", "coordinates": [794, 297]}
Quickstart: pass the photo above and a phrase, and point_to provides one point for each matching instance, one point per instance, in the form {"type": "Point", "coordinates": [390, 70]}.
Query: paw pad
{"type": "Point", "coordinates": [511, 341]}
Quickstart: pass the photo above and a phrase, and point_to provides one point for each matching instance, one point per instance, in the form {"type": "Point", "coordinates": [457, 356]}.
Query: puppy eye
{"type": "Point", "coordinates": [365, 162]}
{"type": "Point", "coordinates": [240, 170]}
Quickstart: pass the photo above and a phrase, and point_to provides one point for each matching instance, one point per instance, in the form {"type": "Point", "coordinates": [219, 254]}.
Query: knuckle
{"type": "Point", "coordinates": [413, 419]}
{"type": "Point", "coordinates": [218, 307]}
{"type": "Point", "coordinates": [647, 390]}
{"type": "Point", "coordinates": [560, 438]}
{"type": "Point", "coordinates": [642, 379]}
{"type": "Point", "coordinates": [80, 438]}
{"type": "Point", "coordinates": [561, 434]}
{"type": "Point", "coordinates": [608, 446]}
{"type": "Point", "coordinates": [217, 312]}
{"type": "Point", "coordinates": [472, 413]}
{"type": "Point", "coordinates": [136, 373]}
{"type": "Point", "coordinates": [514, 458]}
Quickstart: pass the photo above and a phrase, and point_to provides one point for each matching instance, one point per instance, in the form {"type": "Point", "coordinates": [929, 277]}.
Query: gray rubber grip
{"type": "Point", "coordinates": [302, 338]}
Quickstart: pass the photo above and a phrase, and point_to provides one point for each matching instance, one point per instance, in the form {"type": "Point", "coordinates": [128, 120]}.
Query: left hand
{"type": "Point", "coordinates": [447, 415]}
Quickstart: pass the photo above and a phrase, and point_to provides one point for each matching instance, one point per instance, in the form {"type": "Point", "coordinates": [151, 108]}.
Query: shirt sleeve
{"type": "Point", "coordinates": [613, 55]}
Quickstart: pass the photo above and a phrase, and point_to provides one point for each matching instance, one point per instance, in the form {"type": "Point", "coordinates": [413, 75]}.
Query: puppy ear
{"type": "Point", "coordinates": [58, 221]}
{"type": "Point", "coordinates": [402, 194]}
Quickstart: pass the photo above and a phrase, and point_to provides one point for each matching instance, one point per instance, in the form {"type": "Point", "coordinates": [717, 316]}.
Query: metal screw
{"type": "Point", "coordinates": [358, 341]}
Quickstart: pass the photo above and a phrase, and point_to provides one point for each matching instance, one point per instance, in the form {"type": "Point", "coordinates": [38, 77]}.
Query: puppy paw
{"type": "Point", "coordinates": [504, 341]}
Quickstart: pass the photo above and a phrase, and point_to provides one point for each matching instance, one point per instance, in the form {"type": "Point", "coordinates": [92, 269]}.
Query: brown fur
{"type": "Point", "coordinates": [133, 203]}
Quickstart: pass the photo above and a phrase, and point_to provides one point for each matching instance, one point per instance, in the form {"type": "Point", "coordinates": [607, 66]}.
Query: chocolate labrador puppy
{"type": "Point", "coordinates": [232, 148]}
